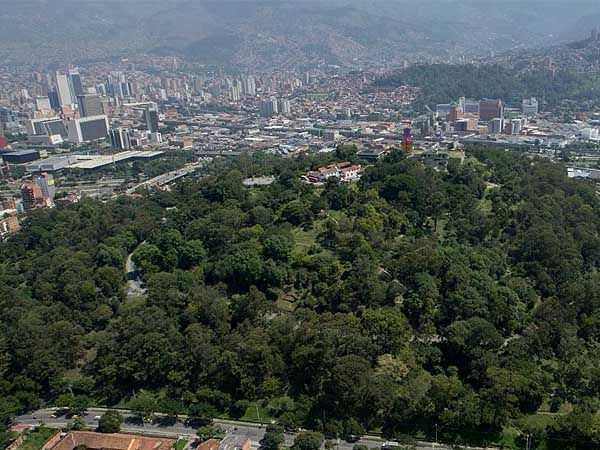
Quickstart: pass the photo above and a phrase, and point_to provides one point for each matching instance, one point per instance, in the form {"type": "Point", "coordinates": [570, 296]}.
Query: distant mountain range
{"type": "Point", "coordinates": [264, 33]}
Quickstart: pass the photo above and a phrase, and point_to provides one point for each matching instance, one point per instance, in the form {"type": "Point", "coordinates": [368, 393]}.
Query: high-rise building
{"type": "Point", "coordinates": [151, 119]}
{"type": "Point", "coordinates": [119, 138]}
{"type": "Point", "coordinates": [496, 125]}
{"type": "Point", "coordinates": [63, 90]}
{"type": "Point", "coordinates": [90, 105]}
{"type": "Point", "coordinates": [249, 86]}
{"type": "Point", "coordinates": [269, 108]}
{"type": "Point", "coordinates": [530, 107]}
{"type": "Point", "coordinates": [198, 85]}
{"type": "Point", "coordinates": [88, 129]}
{"type": "Point", "coordinates": [75, 83]}
{"type": "Point", "coordinates": [54, 101]}
{"type": "Point", "coordinates": [284, 106]}
{"type": "Point", "coordinates": [235, 92]}
{"type": "Point", "coordinates": [490, 109]}
{"type": "Point", "coordinates": [125, 89]}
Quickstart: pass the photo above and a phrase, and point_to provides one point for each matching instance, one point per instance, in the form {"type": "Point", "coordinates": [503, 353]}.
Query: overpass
{"type": "Point", "coordinates": [166, 178]}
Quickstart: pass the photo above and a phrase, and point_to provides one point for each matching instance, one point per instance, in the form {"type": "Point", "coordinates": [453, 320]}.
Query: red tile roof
{"type": "Point", "coordinates": [116, 441]}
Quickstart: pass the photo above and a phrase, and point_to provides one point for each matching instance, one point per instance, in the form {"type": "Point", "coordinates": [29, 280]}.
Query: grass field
{"type": "Point", "coordinates": [180, 444]}
{"type": "Point", "coordinates": [36, 439]}
{"type": "Point", "coordinates": [257, 413]}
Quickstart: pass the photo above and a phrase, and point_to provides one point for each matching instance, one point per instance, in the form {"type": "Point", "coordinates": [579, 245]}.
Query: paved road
{"type": "Point", "coordinates": [169, 177]}
{"type": "Point", "coordinates": [254, 432]}
{"type": "Point", "coordinates": [134, 282]}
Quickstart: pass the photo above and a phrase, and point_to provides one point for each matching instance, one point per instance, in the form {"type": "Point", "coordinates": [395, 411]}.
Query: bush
{"type": "Point", "coordinates": [110, 422]}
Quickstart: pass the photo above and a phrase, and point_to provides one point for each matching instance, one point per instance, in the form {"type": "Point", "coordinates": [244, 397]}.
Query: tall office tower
{"type": "Point", "coordinates": [42, 104]}
{"type": "Point", "coordinates": [118, 90]}
{"type": "Point", "coordinates": [63, 90]}
{"type": "Point", "coordinates": [490, 109]}
{"type": "Point", "coordinates": [32, 196]}
{"type": "Point", "coordinates": [54, 101]}
{"type": "Point", "coordinates": [125, 92]}
{"type": "Point", "coordinates": [530, 107]}
{"type": "Point", "coordinates": [151, 119]}
{"type": "Point", "coordinates": [75, 83]}
{"type": "Point", "coordinates": [90, 105]}
{"type": "Point", "coordinates": [109, 85]}
{"type": "Point", "coordinates": [88, 129]}
{"type": "Point", "coordinates": [119, 138]}
{"type": "Point", "coordinates": [284, 106]}
{"type": "Point", "coordinates": [46, 183]}
{"type": "Point", "coordinates": [496, 125]}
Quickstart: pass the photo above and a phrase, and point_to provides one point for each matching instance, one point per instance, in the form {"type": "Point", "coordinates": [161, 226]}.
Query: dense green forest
{"type": "Point", "coordinates": [442, 83]}
{"type": "Point", "coordinates": [467, 300]}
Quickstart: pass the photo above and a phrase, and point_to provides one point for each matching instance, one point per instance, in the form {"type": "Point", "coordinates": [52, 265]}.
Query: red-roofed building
{"type": "Point", "coordinates": [113, 441]}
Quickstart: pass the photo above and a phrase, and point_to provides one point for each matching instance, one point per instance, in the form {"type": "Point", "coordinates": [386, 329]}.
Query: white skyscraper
{"type": "Point", "coordinates": [235, 91]}
{"type": "Point", "coordinates": [63, 90]}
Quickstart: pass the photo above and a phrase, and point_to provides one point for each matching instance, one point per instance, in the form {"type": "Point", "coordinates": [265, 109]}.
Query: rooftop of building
{"type": "Point", "coordinates": [115, 441]}
{"type": "Point", "coordinates": [20, 152]}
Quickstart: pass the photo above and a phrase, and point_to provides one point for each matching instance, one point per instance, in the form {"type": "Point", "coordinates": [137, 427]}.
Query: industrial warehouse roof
{"type": "Point", "coordinates": [20, 152]}
{"type": "Point", "coordinates": [87, 162]}
{"type": "Point", "coordinates": [99, 161]}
